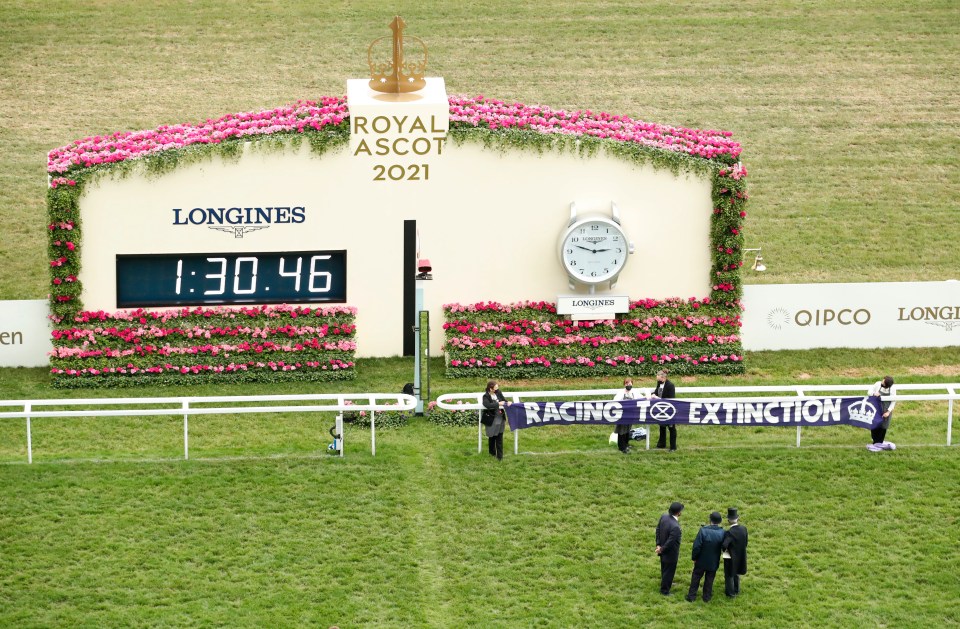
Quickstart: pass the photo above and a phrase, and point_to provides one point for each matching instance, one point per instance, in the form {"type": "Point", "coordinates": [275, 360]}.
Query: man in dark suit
{"type": "Point", "coordinates": [666, 390]}
{"type": "Point", "coordinates": [668, 546]}
{"type": "Point", "coordinates": [734, 548]}
{"type": "Point", "coordinates": [706, 558]}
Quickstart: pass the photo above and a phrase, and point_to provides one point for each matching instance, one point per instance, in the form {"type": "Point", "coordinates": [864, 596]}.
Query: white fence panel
{"type": "Point", "coordinates": [326, 402]}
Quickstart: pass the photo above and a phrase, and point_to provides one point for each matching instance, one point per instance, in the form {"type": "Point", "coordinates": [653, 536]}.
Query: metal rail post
{"type": "Point", "coordinates": [950, 417]}
{"type": "Point", "coordinates": [373, 431]}
{"type": "Point", "coordinates": [338, 425]}
{"type": "Point", "coordinates": [26, 409]}
{"type": "Point", "coordinates": [516, 433]}
{"type": "Point", "coordinates": [186, 429]}
{"type": "Point", "coordinates": [800, 393]}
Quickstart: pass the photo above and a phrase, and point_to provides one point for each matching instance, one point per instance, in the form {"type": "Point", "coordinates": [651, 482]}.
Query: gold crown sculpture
{"type": "Point", "coordinates": [398, 75]}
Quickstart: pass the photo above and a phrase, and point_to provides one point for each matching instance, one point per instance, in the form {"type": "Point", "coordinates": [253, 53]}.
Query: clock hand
{"type": "Point", "coordinates": [585, 249]}
{"type": "Point", "coordinates": [599, 250]}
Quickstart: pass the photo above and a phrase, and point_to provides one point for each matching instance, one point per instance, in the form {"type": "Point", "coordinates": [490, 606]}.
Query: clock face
{"type": "Point", "coordinates": [593, 250]}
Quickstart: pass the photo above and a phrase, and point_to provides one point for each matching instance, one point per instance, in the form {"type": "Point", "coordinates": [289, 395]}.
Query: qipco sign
{"type": "Point", "coordinates": [863, 315]}
{"type": "Point", "coordinates": [828, 316]}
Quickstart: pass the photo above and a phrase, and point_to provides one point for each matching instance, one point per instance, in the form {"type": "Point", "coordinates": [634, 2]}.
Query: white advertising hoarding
{"type": "Point", "coordinates": [25, 333]}
{"type": "Point", "coordinates": [881, 314]}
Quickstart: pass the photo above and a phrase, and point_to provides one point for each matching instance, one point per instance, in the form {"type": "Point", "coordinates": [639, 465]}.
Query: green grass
{"type": "Point", "coordinates": [110, 527]}
{"type": "Point", "coordinates": [429, 533]}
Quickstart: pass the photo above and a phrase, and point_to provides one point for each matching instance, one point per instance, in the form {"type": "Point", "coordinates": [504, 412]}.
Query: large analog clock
{"type": "Point", "coordinates": [594, 248]}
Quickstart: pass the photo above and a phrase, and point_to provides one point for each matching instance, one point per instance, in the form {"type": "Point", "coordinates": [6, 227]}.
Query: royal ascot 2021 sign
{"type": "Point", "coordinates": [399, 117]}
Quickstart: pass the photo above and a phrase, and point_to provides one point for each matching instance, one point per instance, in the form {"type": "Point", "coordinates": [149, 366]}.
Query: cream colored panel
{"type": "Point", "coordinates": [488, 221]}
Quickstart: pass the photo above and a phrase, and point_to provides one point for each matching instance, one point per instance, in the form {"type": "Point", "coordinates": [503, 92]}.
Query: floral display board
{"type": "Point", "coordinates": [530, 340]}
{"type": "Point", "coordinates": [694, 334]}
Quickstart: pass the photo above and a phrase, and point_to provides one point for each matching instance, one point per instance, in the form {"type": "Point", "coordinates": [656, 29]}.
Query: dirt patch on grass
{"type": "Point", "coordinates": [860, 372]}
{"type": "Point", "coordinates": [951, 371]}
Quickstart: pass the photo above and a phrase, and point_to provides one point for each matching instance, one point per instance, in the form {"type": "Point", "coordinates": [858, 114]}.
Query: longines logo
{"type": "Point", "coordinates": [946, 317]}
{"type": "Point", "coordinates": [593, 304]}
{"type": "Point", "coordinates": [946, 325]}
{"type": "Point", "coordinates": [239, 230]}
{"type": "Point", "coordinates": [239, 220]}
{"type": "Point", "coordinates": [595, 239]}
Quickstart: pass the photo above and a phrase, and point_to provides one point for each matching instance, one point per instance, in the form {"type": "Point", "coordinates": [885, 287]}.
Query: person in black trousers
{"type": "Point", "coordinates": [706, 558]}
{"type": "Point", "coordinates": [623, 430]}
{"type": "Point", "coordinates": [494, 418]}
{"type": "Point", "coordinates": [734, 549]}
{"type": "Point", "coordinates": [879, 434]}
{"type": "Point", "coordinates": [665, 390]}
{"type": "Point", "coordinates": [668, 545]}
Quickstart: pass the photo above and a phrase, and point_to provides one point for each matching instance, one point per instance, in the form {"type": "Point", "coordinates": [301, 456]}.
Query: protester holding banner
{"type": "Point", "coordinates": [706, 558]}
{"type": "Point", "coordinates": [665, 389]}
{"type": "Point", "coordinates": [668, 545]}
{"type": "Point", "coordinates": [879, 434]}
{"type": "Point", "coordinates": [494, 419]}
{"type": "Point", "coordinates": [623, 430]}
{"type": "Point", "coordinates": [734, 549]}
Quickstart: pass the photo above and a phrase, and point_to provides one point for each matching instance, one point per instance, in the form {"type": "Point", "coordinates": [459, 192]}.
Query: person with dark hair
{"type": "Point", "coordinates": [734, 552]}
{"type": "Point", "coordinates": [623, 430]}
{"type": "Point", "coordinates": [879, 434]}
{"type": "Point", "coordinates": [494, 418]}
{"type": "Point", "coordinates": [706, 557]}
{"type": "Point", "coordinates": [665, 389]}
{"type": "Point", "coordinates": [668, 545]}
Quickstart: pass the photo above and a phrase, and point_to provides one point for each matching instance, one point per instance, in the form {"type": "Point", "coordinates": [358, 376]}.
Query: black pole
{"type": "Point", "coordinates": [409, 269]}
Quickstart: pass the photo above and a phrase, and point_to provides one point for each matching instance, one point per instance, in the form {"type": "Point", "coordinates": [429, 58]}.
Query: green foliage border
{"type": "Point", "coordinates": [728, 194]}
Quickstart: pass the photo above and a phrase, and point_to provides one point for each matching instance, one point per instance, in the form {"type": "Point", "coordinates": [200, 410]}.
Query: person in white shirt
{"type": "Point", "coordinates": [879, 434]}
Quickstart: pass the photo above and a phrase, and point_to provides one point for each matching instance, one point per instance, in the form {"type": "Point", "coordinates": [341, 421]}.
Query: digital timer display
{"type": "Point", "coordinates": [195, 279]}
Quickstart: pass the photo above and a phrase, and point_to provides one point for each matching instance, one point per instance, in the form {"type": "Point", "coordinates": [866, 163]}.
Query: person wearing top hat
{"type": "Point", "coordinates": [668, 546]}
{"type": "Point", "coordinates": [665, 389]}
{"type": "Point", "coordinates": [734, 549]}
{"type": "Point", "coordinates": [706, 557]}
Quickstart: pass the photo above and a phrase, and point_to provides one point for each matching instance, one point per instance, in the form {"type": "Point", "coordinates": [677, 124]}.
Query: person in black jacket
{"type": "Point", "coordinates": [666, 390]}
{"type": "Point", "coordinates": [668, 546]}
{"type": "Point", "coordinates": [623, 430]}
{"type": "Point", "coordinates": [734, 548]}
{"type": "Point", "coordinates": [494, 418]}
{"type": "Point", "coordinates": [706, 557]}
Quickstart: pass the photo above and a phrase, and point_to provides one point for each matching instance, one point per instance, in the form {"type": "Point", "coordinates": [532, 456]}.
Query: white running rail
{"type": "Point", "coordinates": [900, 392]}
{"type": "Point", "coordinates": [225, 405]}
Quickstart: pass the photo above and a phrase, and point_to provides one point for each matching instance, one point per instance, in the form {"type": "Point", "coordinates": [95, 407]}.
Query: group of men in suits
{"type": "Point", "coordinates": [711, 544]}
